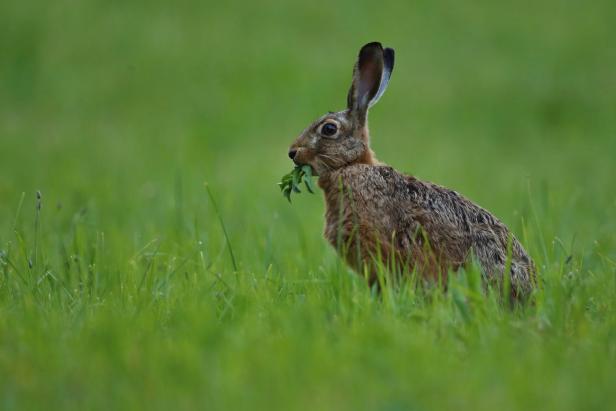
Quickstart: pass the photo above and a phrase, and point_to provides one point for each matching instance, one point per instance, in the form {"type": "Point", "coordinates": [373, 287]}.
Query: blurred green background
{"type": "Point", "coordinates": [120, 293]}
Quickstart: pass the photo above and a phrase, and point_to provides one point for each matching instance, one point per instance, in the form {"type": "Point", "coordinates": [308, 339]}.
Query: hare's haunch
{"type": "Point", "coordinates": [374, 212]}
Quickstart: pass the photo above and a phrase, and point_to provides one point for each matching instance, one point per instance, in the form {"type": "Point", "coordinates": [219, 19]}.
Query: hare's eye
{"type": "Point", "coordinates": [329, 129]}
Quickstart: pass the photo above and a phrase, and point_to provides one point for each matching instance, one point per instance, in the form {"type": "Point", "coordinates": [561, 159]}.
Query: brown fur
{"type": "Point", "coordinates": [375, 214]}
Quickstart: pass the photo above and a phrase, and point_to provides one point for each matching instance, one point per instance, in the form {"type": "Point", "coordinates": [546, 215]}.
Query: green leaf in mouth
{"type": "Point", "coordinates": [291, 182]}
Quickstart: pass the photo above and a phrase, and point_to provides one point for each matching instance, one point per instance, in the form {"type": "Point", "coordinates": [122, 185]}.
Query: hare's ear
{"type": "Point", "coordinates": [388, 67]}
{"type": "Point", "coordinates": [370, 78]}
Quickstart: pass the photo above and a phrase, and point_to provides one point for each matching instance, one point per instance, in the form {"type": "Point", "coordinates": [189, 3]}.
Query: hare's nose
{"type": "Point", "coordinates": [292, 153]}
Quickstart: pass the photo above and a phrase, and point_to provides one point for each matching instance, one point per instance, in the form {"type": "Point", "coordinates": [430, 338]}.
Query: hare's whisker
{"type": "Point", "coordinates": [324, 164]}
{"type": "Point", "coordinates": [330, 158]}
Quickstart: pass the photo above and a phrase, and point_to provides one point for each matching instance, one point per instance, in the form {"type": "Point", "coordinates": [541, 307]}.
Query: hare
{"type": "Point", "coordinates": [376, 215]}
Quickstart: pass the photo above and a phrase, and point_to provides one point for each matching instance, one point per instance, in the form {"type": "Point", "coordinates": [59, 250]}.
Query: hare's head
{"type": "Point", "coordinates": [338, 139]}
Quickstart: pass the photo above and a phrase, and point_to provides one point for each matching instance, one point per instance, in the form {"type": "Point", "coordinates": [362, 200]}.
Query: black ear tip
{"type": "Point", "coordinates": [372, 45]}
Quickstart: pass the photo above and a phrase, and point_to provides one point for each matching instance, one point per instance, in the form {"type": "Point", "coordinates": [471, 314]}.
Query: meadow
{"type": "Point", "coordinates": [122, 286]}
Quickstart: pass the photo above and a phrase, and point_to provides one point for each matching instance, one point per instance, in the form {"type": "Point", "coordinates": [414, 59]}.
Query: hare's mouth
{"type": "Point", "coordinates": [314, 165]}
{"type": "Point", "coordinates": [301, 156]}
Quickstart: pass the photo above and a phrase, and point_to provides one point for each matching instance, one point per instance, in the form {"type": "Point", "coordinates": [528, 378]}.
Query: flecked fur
{"type": "Point", "coordinates": [375, 214]}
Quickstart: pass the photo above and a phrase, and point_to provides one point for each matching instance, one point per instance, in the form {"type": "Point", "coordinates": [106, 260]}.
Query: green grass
{"type": "Point", "coordinates": [120, 292]}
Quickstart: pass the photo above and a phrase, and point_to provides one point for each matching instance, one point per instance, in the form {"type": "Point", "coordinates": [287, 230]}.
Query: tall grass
{"type": "Point", "coordinates": [118, 289]}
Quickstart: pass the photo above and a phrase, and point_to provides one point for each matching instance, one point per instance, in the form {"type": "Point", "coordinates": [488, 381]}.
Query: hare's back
{"type": "Point", "coordinates": [454, 225]}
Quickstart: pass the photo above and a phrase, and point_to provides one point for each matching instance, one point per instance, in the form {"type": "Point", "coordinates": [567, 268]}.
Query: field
{"type": "Point", "coordinates": [119, 288]}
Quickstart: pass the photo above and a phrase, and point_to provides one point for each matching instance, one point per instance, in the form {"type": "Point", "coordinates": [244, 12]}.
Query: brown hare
{"type": "Point", "coordinates": [377, 215]}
